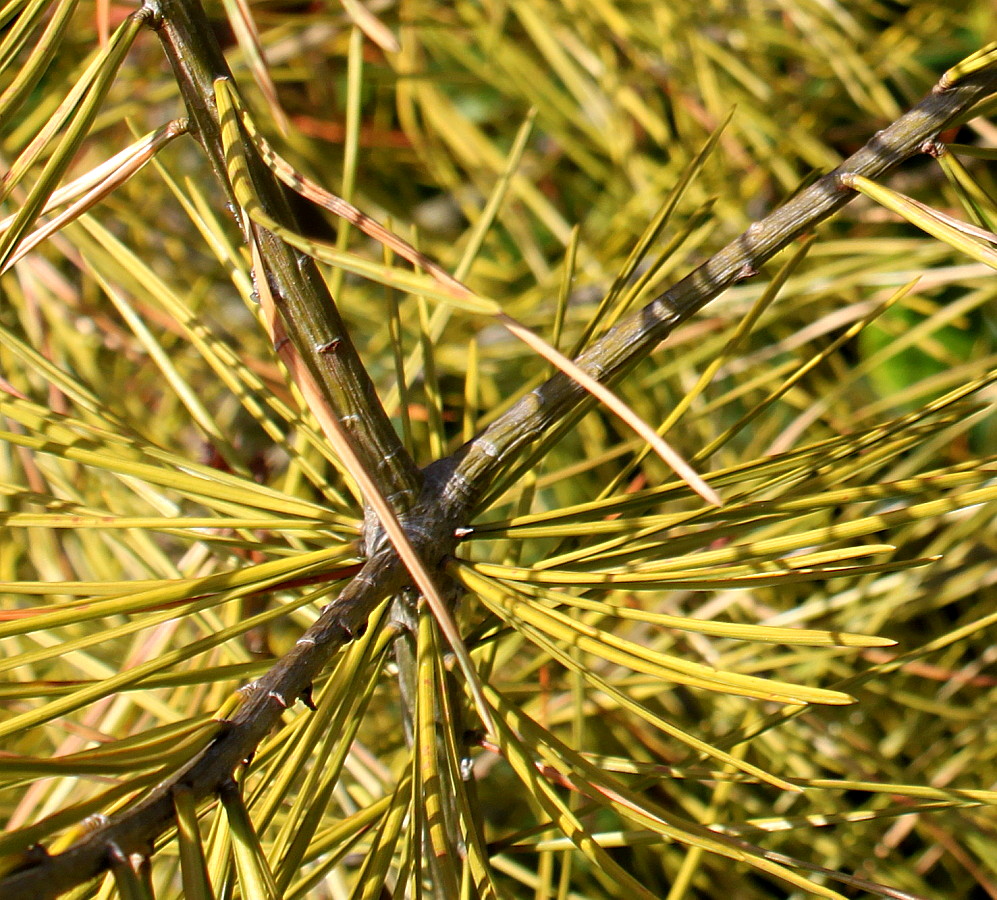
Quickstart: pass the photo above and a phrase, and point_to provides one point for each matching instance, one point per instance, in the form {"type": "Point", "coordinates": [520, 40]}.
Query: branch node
{"type": "Point", "coordinates": [844, 182]}
{"type": "Point", "coordinates": [116, 854]}
{"type": "Point", "coordinates": [150, 13]}
{"type": "Point", "coordinates": [349, 634]}
{"type": "Point", "coordinates": [486, 447]}
{"type": "Point", "coordinates": [94, 821]}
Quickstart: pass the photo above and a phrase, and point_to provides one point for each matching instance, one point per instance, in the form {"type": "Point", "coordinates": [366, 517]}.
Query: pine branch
{"type": "Point", "coordinates": [450, 488]}
{"type": "Point", "coordinates": [135, 830]}
{"type": "Point", "coordinates": [482, 460]}
{"type": "Point", "coordinates": [311, 319]}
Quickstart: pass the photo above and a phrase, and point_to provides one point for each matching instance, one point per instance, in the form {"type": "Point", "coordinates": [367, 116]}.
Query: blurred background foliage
{"type": "Point", "coordinates": [155, 450]}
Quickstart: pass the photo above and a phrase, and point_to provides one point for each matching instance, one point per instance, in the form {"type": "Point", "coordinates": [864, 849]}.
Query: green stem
{"type": "Point", "coordinates": [307, 308]}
